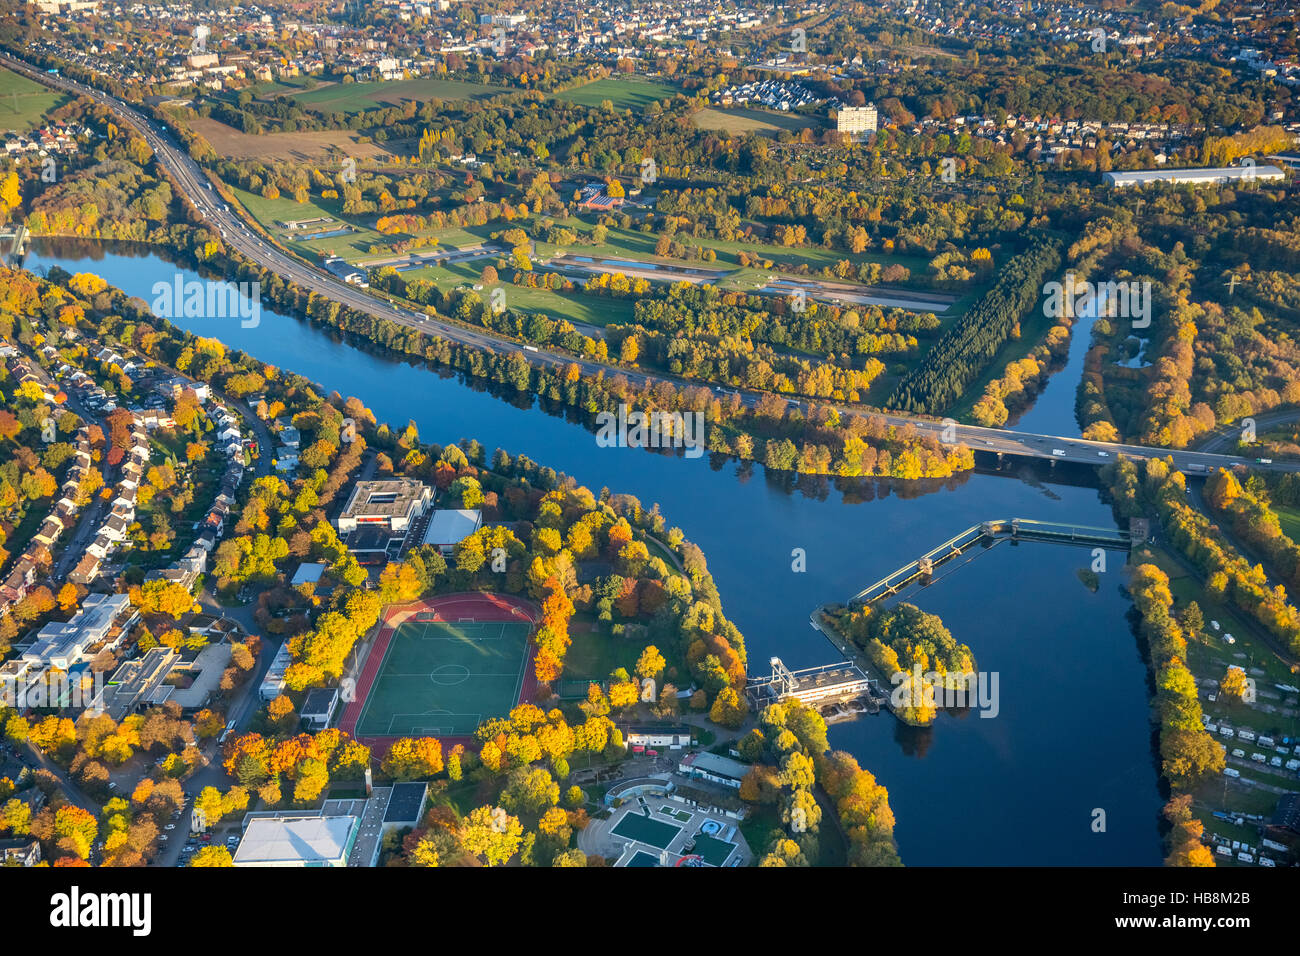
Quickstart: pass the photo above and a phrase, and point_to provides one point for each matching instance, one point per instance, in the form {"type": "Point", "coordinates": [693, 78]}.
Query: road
{"type": "Point", "coordinates": [92, 516]}
{"type": "Point", "coordinates": [1263, 421]}
{"type": "Point", "coordinates": [197, 187]}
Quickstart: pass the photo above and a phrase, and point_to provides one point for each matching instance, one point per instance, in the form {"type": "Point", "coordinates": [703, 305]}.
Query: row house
{"type": "Point", "coordinates": [38, 551]}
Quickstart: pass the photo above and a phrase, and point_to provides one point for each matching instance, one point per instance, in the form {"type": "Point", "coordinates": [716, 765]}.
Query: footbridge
{"type": "Point", "coordinates": [985, 534]}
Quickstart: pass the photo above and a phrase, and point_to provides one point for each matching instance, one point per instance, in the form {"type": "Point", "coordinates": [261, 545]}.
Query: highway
{"type": "Point", "coordinates": [236, 233]}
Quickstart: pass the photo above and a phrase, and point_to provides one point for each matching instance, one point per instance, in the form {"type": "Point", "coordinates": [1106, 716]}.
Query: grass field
{"type": "Point", "coordinates": [270, 211]}
{"type": "Point", "coordinates": [632, 243]}
{"type": "Point", "coordinates": [23, 102]}
{"type": "Point", "coordinates": [1289, 519]}
{"type": "Point", "coordinates": [594, 655]}
{"type": "Point", "coordinates": [626, 92]}
{"type": "Point", "coordinates": [444, 679]}
{"type": "Point", "coordinates": [359, 97]}
{"type": "Point", "coordinates": [578, 308]}
{"type": "Point", "coordinates": [765, 122]}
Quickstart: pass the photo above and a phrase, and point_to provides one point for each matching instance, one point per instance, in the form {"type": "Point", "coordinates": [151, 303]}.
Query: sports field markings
{"type": "Point", "coordinates": [448, 675]}
{"type": "Point", "coordinates": [409, 726]}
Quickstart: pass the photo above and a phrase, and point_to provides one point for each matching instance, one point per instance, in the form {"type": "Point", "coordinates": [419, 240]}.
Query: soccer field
{"type": "Point", "coordinates": [443, 679]}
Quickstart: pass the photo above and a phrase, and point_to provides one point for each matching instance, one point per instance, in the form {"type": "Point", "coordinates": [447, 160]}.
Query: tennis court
{"type": "Point", "coordinates": [646, 830]}
{"type": "Point", "coordinates": [442, 678]}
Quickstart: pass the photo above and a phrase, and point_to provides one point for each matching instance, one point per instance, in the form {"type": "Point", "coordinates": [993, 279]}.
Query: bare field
{"type": "Point", "coordinates": [311, 145]}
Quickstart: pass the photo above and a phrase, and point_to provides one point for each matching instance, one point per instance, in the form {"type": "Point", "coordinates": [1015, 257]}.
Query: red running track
{"type": "Point", "coordinates": [450, 608]}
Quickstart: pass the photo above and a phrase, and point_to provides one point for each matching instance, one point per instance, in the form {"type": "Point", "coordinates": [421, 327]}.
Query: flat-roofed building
{"type": "Point", "coordinates": [296, 840]}
{"type": "Point", "coordinates": [138, 683]}
{"type": "Point", "coordinates": [318, 707]}
{"type": "Point", "coordinates": [102, 619]}
{"type": "Point", "coordinates": [1196, 177]}
{"type": "Point", "coordinates": [856, 120]}
{"type": "Point", "coordinates": [273, 683]}
{"type": "Point", "coordinates": [405, 805]}
{"type": "Point", "coordinates": [673, 736]}
{"type": "Point", "coordinates": [450, 526]}
{"type": "Point", "coordinates": [840, 680]}
{"type": "Point", "coordinates": [391, 503]}
{"type": "Point", "coordinates": [723, 771]}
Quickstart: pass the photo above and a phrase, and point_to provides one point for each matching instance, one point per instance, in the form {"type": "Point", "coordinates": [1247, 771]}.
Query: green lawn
{"type": "Point", "coordinates": [625, 92]}
{"type": "Point", "coordinates": [1033, 329]}
{"type": "Point", "coordinates": [359, 97]}
{"type": "Point", "coordinates": [1207, 654]}
{"type": "Point", "coordinates": [632, 243]}
{"type": "Point", "coordinates": [739, 120]}
{"type": "Point", "coordinates": [577, 307]}
{"type": "Point", "coordinates": [24, 102]}
{"type": "Point", "coordinates": [594, 655]}
{"type": "Point", "coordinates": [269, 212]}
{"type": "Point", "coordinates": [1289, 519]}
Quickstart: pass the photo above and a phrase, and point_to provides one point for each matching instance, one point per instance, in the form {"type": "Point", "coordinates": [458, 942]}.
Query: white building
{"type": "Point", "coordinates": [392, 504]}
{"type": "Point", "coordinates": [296, 840]}
{"type": "Point", "coordinates": [1197, 177]}
{"type": "Point", "coordinates": [450, 526]}
{"type": "Point", "coordinates": [273, 683]}
{"type": "Point", "coordinates": [101, 617]}
{"type": "Point", "coordinates": [720, 770]}
{"type": "Point", "coordinates": [856, 120]}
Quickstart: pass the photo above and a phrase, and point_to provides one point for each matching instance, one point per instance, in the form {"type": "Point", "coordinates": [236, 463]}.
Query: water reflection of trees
{"type": "Point", "coordinates": [913, 741]}
{"type": "Point", "coordinates": [860, 490]}
{"type": "Point", "coordinates": [854, 491]}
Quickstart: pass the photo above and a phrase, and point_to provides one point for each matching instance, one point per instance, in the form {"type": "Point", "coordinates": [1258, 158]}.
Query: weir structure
{"type": "Point", "coordinates": [985, 534]}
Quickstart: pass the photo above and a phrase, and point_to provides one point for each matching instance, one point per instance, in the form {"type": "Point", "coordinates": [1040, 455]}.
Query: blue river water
{"type": "Point", "coordinates": [1072, 735]}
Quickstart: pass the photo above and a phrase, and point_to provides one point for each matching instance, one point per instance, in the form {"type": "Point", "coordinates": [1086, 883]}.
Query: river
{"type": "Point", "coordinates": [1072, 735]}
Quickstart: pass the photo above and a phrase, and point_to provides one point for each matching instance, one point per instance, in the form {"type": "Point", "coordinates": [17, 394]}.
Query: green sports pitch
{"type": "Point", "coordinates": [442, 679]}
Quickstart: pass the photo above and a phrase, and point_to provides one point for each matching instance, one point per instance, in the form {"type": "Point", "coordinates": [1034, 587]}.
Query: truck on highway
{"type": "Point", "coordinates": [1198, 468]}
{"type": "Point", "coordinates": [530, 348]}
{"type": "Point", "coordinates": [1058, 452]}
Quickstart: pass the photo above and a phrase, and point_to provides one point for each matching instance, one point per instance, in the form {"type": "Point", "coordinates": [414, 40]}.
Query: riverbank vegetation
{"type": "Point", "coordinates": [913, 651]}
{"type": "Point", "coordinates": [1160, 490]}
{"type": "Point", "coordinates": [792, 760]}
{"type": "Point", "coordinates": [1221, 343]}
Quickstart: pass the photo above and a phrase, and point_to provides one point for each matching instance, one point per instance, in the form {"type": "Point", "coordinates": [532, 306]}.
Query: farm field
{"type": "Point", "coordinates": [764, 122]}
{"type": "Point", "coordinates": [23, 102]}
{"type": "Point", "coordinates": [302, 146]}
{"type": "Point", "coordinates": [627, 92]}
{"type": "Point", "coordinates": [359, 97]}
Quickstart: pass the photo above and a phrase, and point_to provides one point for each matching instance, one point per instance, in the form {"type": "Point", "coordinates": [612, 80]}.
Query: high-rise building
{"type": "Point", "coordinates": [856, 120]}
